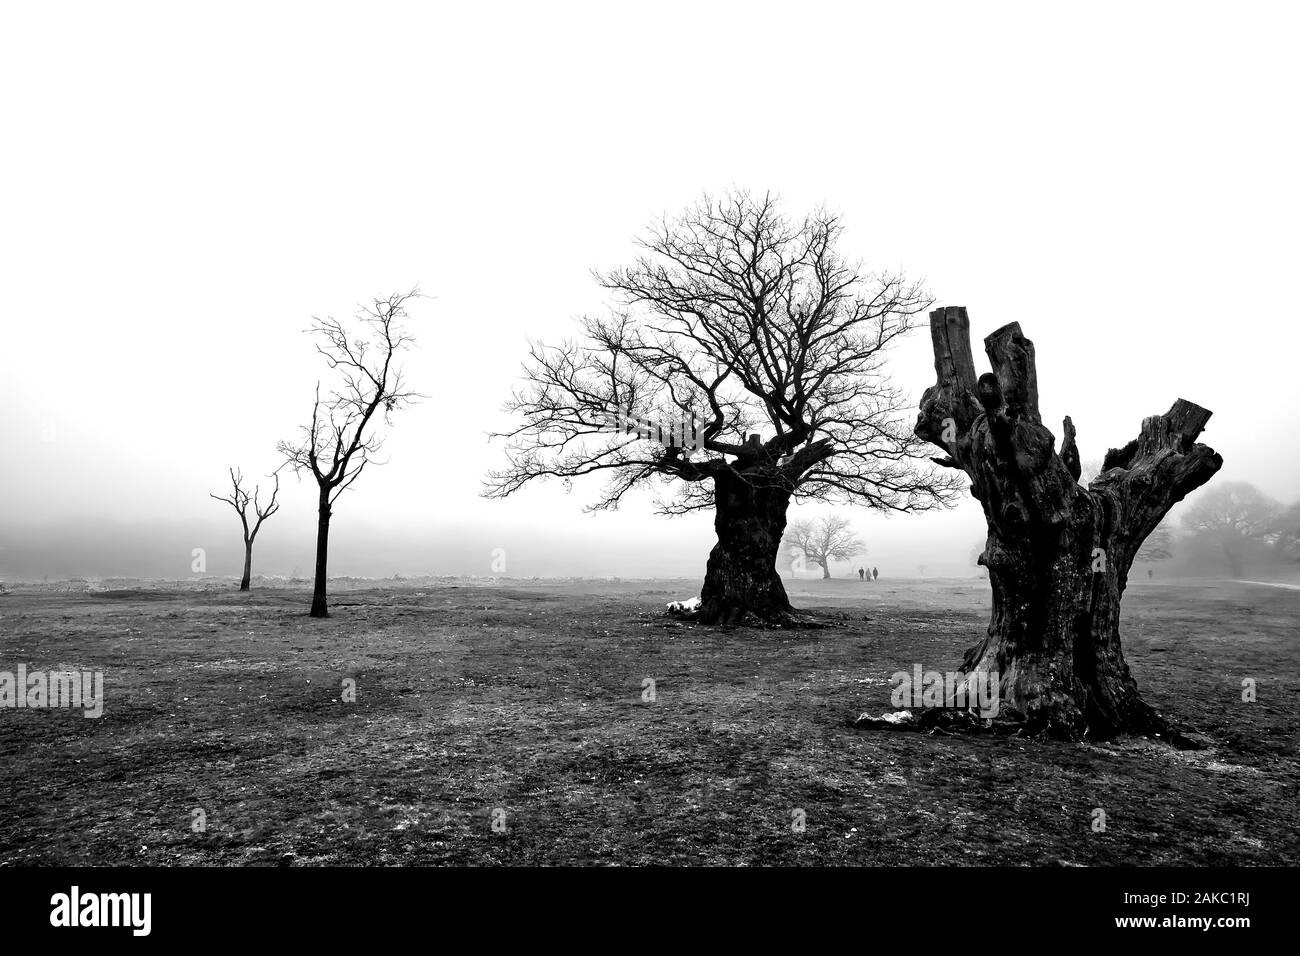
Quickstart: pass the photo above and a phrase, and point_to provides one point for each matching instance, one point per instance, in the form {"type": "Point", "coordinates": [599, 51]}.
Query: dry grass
{"type": "Point", "coordinates": [528, 698]}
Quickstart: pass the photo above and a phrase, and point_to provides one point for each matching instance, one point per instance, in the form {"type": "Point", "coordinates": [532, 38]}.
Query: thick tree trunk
{"type": "Point", "coordinates": [741, 578]}
{"type": "Point", "coordinates": [1058, 555]}
{"type": "Point", "coordinates": [319, 606]}
{"type": "Point", "coordinates": [826, 570]}
{"type": "Point", "coordinates": [1054, 634]}
{"type": "Point", "coordinates": [248, 566]}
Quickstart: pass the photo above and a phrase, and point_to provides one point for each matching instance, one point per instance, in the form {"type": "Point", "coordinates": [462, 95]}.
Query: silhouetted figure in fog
{"type": "Point", "coordinates": [875, 573]}
{"type": "Point", "coordinates": [862, 575]}
{"type": "Point", "coordinates": [1150, 574]}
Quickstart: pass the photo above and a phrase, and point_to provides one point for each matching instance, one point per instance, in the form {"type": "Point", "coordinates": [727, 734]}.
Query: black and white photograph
{"type": "Point", "coordinates": [837, 451]}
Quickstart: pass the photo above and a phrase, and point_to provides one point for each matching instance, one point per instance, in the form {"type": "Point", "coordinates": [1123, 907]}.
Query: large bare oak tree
{"type": "Point", "coordinates": [241, 500]}
{"type": "Point", "coordinates": [754, 326]}
{"type": "Point", "coordinates": [341, 440]}
{"type": "Point", "coordinates": [1058, 554]}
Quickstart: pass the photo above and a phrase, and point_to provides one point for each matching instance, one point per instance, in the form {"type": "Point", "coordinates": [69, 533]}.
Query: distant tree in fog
{"type": "Point", "coordinates": [1235, 517]}
{"type": "Point", "coordinates": [757, 327]}
{"type": "Point", "coordinates": [1157, 547]}
{"type": "Point", "coordinates": [240, 499]}
{"type": "Point", "coordinates": [340, 440]}
{"type": "Point", "coordinates": [826, 539]}
{"type": "Point", "coordinates": [1287, 527]}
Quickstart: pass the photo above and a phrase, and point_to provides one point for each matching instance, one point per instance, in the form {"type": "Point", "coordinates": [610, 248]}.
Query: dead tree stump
{"type": "Point", "coordinates": [1058, 554]}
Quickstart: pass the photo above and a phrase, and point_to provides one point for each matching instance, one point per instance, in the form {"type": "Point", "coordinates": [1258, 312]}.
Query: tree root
{"type": "Point", "coordinates": [789, 619]}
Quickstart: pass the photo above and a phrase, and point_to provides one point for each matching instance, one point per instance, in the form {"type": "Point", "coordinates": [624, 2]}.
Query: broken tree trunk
{"type": "Point", "coordinates": [1058, 554]}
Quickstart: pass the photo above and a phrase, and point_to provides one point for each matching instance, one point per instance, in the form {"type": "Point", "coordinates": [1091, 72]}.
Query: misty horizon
{"type": "Point", "coordinates": [152, 348]}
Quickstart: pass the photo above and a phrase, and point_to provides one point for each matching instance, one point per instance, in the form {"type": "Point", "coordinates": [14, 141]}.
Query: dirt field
{"type": "Point", "coordinates": [527, 697]}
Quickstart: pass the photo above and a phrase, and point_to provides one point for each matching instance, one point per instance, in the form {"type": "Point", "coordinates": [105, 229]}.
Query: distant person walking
{"type": "Point", "coordinates": [875, 573]}
{"type": "Point", "coordinates": [1150, 574]}
{"type": "Point", "coordinates": [862, 575]}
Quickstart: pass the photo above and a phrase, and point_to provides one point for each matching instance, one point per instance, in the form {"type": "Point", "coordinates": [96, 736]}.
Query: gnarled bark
{"type": "Point", "coordinates": [1058, 554]}
{"type": "Point", "coordinates": [741, 578]}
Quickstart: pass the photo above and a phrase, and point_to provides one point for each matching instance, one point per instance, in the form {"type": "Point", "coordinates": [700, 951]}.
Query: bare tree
{"type": "Point", "coordinates": [826, 539]}
{"type": "Point", "coordinates": [1058, 554]}
{"type": "Point", "coordinates": [241, 500]}
{"type": "Point", "coordinates": [1234, 516]}
{"type": "Point", "coordinates": [1287, 545]}
{"type": "Point", "coordinates": [341, 441]}
{"type": "Point", "coordinates": [1158, 546]}
{"type": "Point", "coordinates": [754, 325]}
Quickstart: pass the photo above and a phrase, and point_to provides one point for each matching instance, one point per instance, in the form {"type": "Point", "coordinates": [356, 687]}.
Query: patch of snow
{"type": "Point", "coordinates": [888, 717]}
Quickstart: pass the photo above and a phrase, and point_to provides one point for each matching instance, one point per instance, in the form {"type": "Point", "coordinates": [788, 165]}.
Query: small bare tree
{"type": "Point", "coordinates": [340, 440]}
{"type": "Point", "coordinates": [827, 539]}
{"type": "Point", "coordinates": [241, 500]}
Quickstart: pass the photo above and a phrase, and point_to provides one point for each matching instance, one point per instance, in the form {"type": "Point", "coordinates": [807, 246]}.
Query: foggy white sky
{"type": "Point", "coordinates": [185, 187]}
